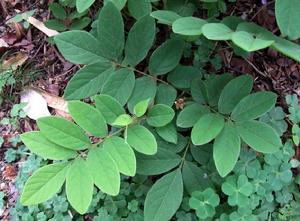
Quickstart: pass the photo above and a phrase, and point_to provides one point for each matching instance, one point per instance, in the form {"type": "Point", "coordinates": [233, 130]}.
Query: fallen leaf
{"type": "Point", "coordinates": [40, 25]}
{"type": "Point", "coordinates": [3, 45]}
{"type": "Point", "coordinates": [10, 172]}
{"type": "Point", "coordinates": [15, 61]}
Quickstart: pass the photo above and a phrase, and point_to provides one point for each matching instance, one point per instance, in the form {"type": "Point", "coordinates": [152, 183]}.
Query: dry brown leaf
{"type": "Point", "coordinates": [15, 61]}
{"type": "Point", "coordinates": [40, 25]}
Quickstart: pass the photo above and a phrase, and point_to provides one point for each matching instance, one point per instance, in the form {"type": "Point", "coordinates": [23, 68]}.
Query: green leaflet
{"type": "Point", "coordinates": [217, 31]}
{"type": "Point", "coordinates": [175, 148]}
{"type": "Point", "coordinates": [164, 197]}
{"type": "Point", "coordinates": [168, 133]}
{"type": "Point", "coordinates": [141, 139]}
{"type": "Point", "coordinates": [82, 5]}
{"type": "Point", "coordinates": [139, 41]}
{"type": "Point", "coordinates": [88, 81]}
{"type": "Point", "coordinates": [207, 128]}
{"type": "Point", "coordinates": [145, 88]}
{"type": "Point", "coordinates": [122, 155]}
{"type": "Point", "coordinates": [189, 116]}
{"type": "Point", "coordinates": [118, 3]}
{"type": "Point", "coordinates": [254, 106]}
{"type": "Point", "coordinates": [260, 136]}
{"type": "Point", "coordinates": [40, 145]}
{"type": "Point", "coordinates": [44, 183]}
{"type": "Point", "coordinates": [166, 57]}
{"type": "Point", "coordinates": [111, 32]}
{"type": "Point", "coordinates": [57, 10]}
{"type": "Point", "coordinates": [88, 118]}
{"type": "Point", "coordinates": [139, 8]}
{"type": "Point", "coordinates": [120, 85]}
{"type": "Point", "coordinates": [109, 107]}
{"type": "Point", "coordinates": [123, 120]}
{"type": "Point", "coordinates": [141, 108]}
{"type": "Point", "coordinates": [233, 92]}
{"type": "Point", "coordinates": [79, 186]}
{"type": "Point", "coordinates": [188, 26]}
{"type": "Point", "coordinates": [182, 76]}
{"type": "Point", "coordinates": [165, 94]}
{"type": "Point", "coordinates": [287, 17]}
{"type": "Point", "coordinates": [79, 47]}
{"type": "Point", "coordinates": [160, 115]}
{"type": "Point", "coordinates": [163, 161]}
{"type": "Point", "coordinates": [63, 133]}
{"type": "Point", "coordinates": [226, 149]}
{"type": "Point", "coordinates": [165, 17]}
{"type": "Point", "coordinates": [104, 171]}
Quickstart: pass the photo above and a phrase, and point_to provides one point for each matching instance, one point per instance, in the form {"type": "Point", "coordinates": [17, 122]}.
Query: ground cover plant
{"type": "Point", "coordinates": [157, 127]}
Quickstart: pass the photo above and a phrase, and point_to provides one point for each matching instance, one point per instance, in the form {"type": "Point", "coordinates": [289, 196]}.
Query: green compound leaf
{"type": "Point", "coordinates": [250, 43]}
{"type": "Point", "coordinates": [79, 186]}
{"type": "Point", "coordinates": [111, 32]}
{"type": "Point", "coordinates": [88, 118]}
{"type": "Point", "coordinates": [165, 17]}
{"type": "Point", "coordinates": [141, 139]}
{"type": "Point", "coordinates": [204, 203]}
{"type": "Point", "coordinates": [190, 26]}
{"type": "Point", "coordinates": [260, 136]}
{"type": "Point", "coordinates": [217, 32]}
{"type": "Point", "coordinates": [207, 128]}
{"type": "Point", "coordinates": [63, 133]}
{"type": "Point", "coordinates": [164, 197]}
{"type": "Point", "coordinates": [166, 57]}
{"type": "Point", "coordinates": [254, 106]}
{"type": "Point", "coordinates": [79, 47]}
{"type": "Point", "coordinates": [226, 149]}
{"type": "Point", "coordinates": [189, 116]}
{"type": "Point", "coordinates": [82, 5]}
{"type": "Point", "coordinates": [44, 183]}
{"type": "Point", "coordinates": [145, 88]}
{"type": "Point", "coordinates": [139, 41]}
{"type": "Point", "coordinates": [37, 143]}
{"type": "Point", "coordinates": [163, 161]}
{"type": "Point", "coordinates": [88, 81]}
{"type": "Point", "coordinates": [104, 170]}
{"type": "Point", "coordinates": [120, 85]}
{"type": "Point", "coordinates": [122, 154]}
{"type": "Point", "coordinates": [233, 92]}
{"type": "Point", "coordinates": [109, 107]}
{"type": "Point", "coordinates": [141, 108]}
{"type": "Point", "coordinates": [160, 115]}
{"type": "Point", "coordinates": [287, 14]}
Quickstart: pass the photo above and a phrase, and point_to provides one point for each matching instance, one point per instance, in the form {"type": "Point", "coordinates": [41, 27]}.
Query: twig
{"type": "Point", "coordinates": [263, 7]}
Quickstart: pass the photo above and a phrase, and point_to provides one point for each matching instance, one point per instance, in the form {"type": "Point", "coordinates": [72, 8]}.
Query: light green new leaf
{"type": "Point", "coordinates": [88, 81]}
{"type": "Point", "coordinates": [190, 26]}
{"type": "Point", "coordinates": [122, 154]}
{"type": "Point", "coordinates": [145, 88]}
{"type": "Point", "coordinates": [79, 47]}
{"type": "Point", "coordinates": [250, 43]}
{"type": "Point", "coordinates": [160, 115]}
{"type": "Point", "coordinates": [104, 171]}
{"type": "Point", "coordinates": [287, 17]}
{"type": "Point", "coordinates": [207, 128]}
{"type": "Point", "coordinates": [142, 140]}
{"type": "Point", "coordinates": [139, 8]}
{"type": "Point", "coordinates": [122, 120]}
{"type": "Point", "coordinates": [139, 41]}
{"type": "Point", "coordinates": [254, 106]}
{"type": "Point", "coordinates": [226, 149]}
{"type": "Point", "coordinates": [109, 107]}
{"type": "Point", "coordinates": [141, 108]}
{"type": "Point", "coordinates": [83, 5]}
{"type": "Point", "coordinates": [189, 116]}
{"type": "Point", "coordinates": [260, 136]}
{"type": "Point", "coordinates": [44, 183]}
{"type": "Point", "coordinates": [88, 118]}
{"type": "Point", "coordinates": [111, 32]}
{"type": "Point", "coordinates": [40, 145]}
{"type": "Point", "coordinates": [168, 133]}
{"type": "Point", "coordinates": [165, 17]}
{"type": "Point", "coordinates": [164, 197]}
{"type": "Point", "coordinates": [163, 161]}
{"type": "Point", "coordinates": [217, 31]}
{"type": "Point", "coordinates": [166, 57]}
{"type": "Point", "coordinates": [63, 132]}
{"type": "Point", "coordinates": [120, 85]}
{"type": "Point", "coordinates": [233, 92]}
{"type": "Point", "coordinates": [165, 94]}
{"type": "Point", "coordinates": [79, 186]}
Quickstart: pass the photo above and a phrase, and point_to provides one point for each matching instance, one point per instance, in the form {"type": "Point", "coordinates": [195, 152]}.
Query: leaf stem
{"type": "Point", "coordinates": [184, 154]}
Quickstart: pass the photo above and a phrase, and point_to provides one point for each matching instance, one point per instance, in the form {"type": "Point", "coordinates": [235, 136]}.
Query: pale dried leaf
{"type": "Point", "coordinates": [40, 25]}
{"type": "Point", "coordinates": [15, 61]}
